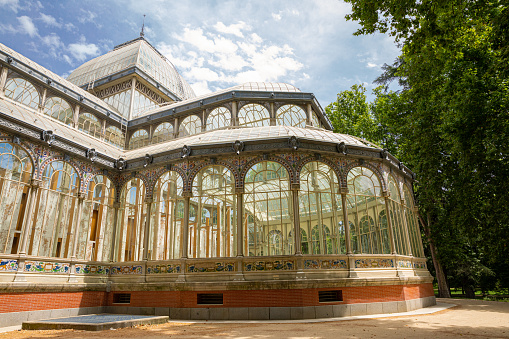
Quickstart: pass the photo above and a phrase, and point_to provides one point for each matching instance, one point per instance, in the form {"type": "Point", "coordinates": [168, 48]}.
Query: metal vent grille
{"type": "Point", "coordinates": [210, 298]}
{"type": "Point", "coordinates": [330, 296]}
{"type": "Point", "coordinates": [122, 298]}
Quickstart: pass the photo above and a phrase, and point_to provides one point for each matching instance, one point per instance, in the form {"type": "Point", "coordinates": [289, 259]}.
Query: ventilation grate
{"type": "Point", "coordinates": [210, 298]}
{"type": "Point", "coordinates": [330, 296]}
{"type": "Point", "coordinates": [122, 298]}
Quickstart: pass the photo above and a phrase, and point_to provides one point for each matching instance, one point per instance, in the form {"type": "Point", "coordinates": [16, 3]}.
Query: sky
{"type": "Point", "coordinates": [213, 44]}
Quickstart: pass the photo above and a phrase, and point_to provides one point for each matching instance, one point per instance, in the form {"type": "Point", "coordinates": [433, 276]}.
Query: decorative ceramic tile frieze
{"type": "Point", "coordinates": [420, 264]}
{"type": "Point", "coordinates": [404, 264]}
{"type": "Point", "coordinates": [92, 269]}
{"type": "Point", "coordinates": [276, 265]}
{"type": "Point", "coordinates": [7, 265]}
{"type": "Point", "coordinates": [156, 269]}
{"type": "Point", "coordinates": [325, 264]}
{"type": "Point", "coordinates": [120, 270]}
{"type": "Point", "coordinates": [374, 263]}
{"type": "Point", "coordinates": [46, 267]}
{"type": "Point", "coordinates": [211, 267]}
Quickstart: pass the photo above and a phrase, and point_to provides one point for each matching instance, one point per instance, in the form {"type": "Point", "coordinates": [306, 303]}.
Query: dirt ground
{"type": "Point", "coordinates": [468, 319]}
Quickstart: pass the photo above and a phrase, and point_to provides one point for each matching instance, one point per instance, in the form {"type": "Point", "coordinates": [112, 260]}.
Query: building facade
{"type": "Point", "coordinates": [122, 191]}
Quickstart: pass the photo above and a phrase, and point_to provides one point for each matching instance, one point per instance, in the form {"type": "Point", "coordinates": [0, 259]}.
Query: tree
{"type": "Point", "coordinates": [451, 123]}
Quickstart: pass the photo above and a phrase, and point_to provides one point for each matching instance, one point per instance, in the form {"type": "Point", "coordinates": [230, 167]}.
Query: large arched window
{"type": "Point", "coordinates": [218, 118]}
{"type": "Point", "coordinates": [131, 223]}
{"type": "Point", "coordinates": [314, 120]}
{"type": "Point", "coordinates": [163, 132]}
{"type": "Point", "coordinates": [397, 218]}
{"type": "Point", "coordinates": [267, 208]}
{"type": "Point", "coordinates": [190, 125]}
{"type": "Point", "coordinates": [412, 223]}
{"type": "Point", "coordinates": [59, 109]}
{"type": "Point", "coordinates": [22, 91]}
{"type": "Point", "coordinates": [167, 215]}
{"type": "Point", "coordinates": [97, 217]}
{"type": "Point", "coordinates": [213, 232]}
{"type": "Point", "coordinates": [55, 211]}
{"type": "Point", "coordinates": [139, 139]}
{"type": "Point", "coordinates": [365, 203]}
{"type": "Point", "coordinates": [291, 115]}
{"type": "Point", "coordinates": [114, 136]}
{"type": "Point", "coordinates": [253, 115]}
{"type": "Point", "coordinates": [320, 204]}
{"type": "Point", "coordinates": [89, 124]}
{"type": "Point", "coordinates": [15, 173]}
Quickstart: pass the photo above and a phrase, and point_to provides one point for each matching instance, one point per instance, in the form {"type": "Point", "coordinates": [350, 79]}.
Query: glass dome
{"type": "Point", "coordinates": [137, 53]}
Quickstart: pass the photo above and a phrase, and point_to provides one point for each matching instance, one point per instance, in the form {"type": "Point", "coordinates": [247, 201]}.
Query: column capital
{"type": "Point", "coordinates": [81, 196]}
{"type": "Point", "coordinates": [187, 194]}
{"type": "Point", "coordinates": [35, 183]}
{"type": "Point", "coordinates": [149, 200]}
{"type": "Point", "coordinates": [116, 204]}
{"type": "Point", "coordinates": [343, 190]}
{"type": "Point", "coordinates": [239, 190]}
{"type": "Point", "coordinates": [295, 186]}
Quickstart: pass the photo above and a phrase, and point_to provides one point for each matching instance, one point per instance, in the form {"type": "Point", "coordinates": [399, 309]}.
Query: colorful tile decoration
{"type": "Point", "coordinates": [120, 270]}
{"type": "Point", "coordinates": [92, 269]}
{"type": "Point", "coordinates": [157, 269]}
{"type": "Point", "coordinates": [7, 265]}
{"type": "Point", "coordinates": [211, 267]}
{"type": "Point", "coordinates": [334, 264]}
{"type": "Point", "coordinates": [420, 264]}
{"type": "Point", "coordinates": [374, 263]}
{"type": "Point", "coordinates": [46, 267]}
{"type": "Point", "coordinates": [404, 264]}
{"type": "Point", "coordinates": [276, 265]}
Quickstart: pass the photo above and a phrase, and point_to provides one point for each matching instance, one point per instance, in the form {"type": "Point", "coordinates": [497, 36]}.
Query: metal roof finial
{"type": "Point", "coordinates": [142, 34]}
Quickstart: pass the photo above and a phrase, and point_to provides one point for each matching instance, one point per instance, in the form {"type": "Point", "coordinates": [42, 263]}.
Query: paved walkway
{"type": "Point", "coordinates": [464, 318]}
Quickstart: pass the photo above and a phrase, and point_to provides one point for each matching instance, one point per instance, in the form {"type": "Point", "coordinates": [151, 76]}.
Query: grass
{"type": "Point", "coordinates": [491, 295]}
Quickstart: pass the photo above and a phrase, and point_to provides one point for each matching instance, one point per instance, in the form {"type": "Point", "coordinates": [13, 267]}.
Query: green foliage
{"type": "Point", "coordinates": [449, 123]}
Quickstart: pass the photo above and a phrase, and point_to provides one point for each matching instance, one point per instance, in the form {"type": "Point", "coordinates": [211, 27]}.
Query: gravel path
{"type": "Point", "coordinates": [468, 319]}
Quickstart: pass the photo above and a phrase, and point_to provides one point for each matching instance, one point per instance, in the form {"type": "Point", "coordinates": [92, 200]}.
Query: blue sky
{"type": "Point", "coordinates": [213, 44]}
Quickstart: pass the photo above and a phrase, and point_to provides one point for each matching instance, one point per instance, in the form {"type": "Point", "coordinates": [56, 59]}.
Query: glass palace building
{"type": "Point", "coordinates": [122, 191]}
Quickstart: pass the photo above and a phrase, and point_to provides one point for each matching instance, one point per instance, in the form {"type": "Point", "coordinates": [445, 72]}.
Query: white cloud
{"type": "Point", "coordinates": [276, 16]}
{"type": "Point", "coordinates": [13, 5]}
{"type": "Point", "coordinates": [88, 16]}
{"type": "Point", "coordinates": [81, 51]}
{"type": "Point", "coordinates": [27, 26]}
{"type": "Point", "coordinates": [235, 29]}
{"type": "Point", "coordinates": [50, 21]}
{"type": "Point", "coordinates": [371, 65]}
{"type": "Point", "coordinates": [201, 88]}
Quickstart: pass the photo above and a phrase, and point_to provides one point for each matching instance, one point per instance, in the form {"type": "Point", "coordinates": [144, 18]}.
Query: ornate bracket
{"type": "Point", "coordinates": [48, 137]}
{"type": "Point", "coordinates": [16, 140]}
{"type": "Point", "coordinates": [186, 151]}
{"type": "Point", "coordinates": [147, 160]}
{"type": "Point", "coordinates": [293, 142]}
{"type": "Point", "coordinates": [384, 153]}
{"type": "Point", "coordinates": [342, 148]}
{"type": "Point", "coordinates": [91, 154]}
{"type": "Point", "coordinates": [120, 164]}
{"type": "Point", "coordinates": [238, 146]}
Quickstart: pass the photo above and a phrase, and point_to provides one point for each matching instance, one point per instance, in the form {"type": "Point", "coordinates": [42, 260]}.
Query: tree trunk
{"type": "Point", "coordinates": [443, 289]}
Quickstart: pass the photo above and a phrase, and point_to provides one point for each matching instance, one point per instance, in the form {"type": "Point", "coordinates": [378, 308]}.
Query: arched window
{"type": "Point", "coordinates": [413, 224]}
{"type": "Point", "coordinates": [190, 125]}
{"type": "Point", "coordinates": [95, 230]}
{"type": "Point", "coordinates": [320, 204]}
{"type": "Point", "coordinates": [384, 231]}
{"type": "Point", "coordinates": [291, 115]}
{"type": "Point", "coordinates": [365, 203]}
{"type": "Point", "coordinates": [268, 199]}
{"type": "Point", "coordinates": [129, 246]}
{"type": "Point", "coordinates": [89, 124]}
{"type": "Point", "coordinates": [167, 215]}
{"type": "Point", "coordinates": [253, 115]}
{"type": "Point", "coordinates": [15, 174]}
{"type": "Point", "coordinates": [315, 120]}
{"type": "Point", "coordinates": [59, 109]}
{"type": "Point", "coordinates": [397, 218]}
{"type": "Point", "coordinates": [55, 212]}
{"type": "Point", "coordinates": [303, 241]}
{"type": "Point", "coordinates": [218, 118]}
{"type": "Point", "coordinates": [22, 91]}
{"type": "Point", "coordinates": [214, 234]}
{"type": "Point", "coordinates": [163, 132]}
{"type": "Point", "coordinates": [139, 139]}
{"type": "Point", "coordinates": [114, 136]}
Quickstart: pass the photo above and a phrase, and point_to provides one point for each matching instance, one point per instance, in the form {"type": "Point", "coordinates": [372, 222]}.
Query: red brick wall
{"type": "Point", "coordinates": [18, 302]}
